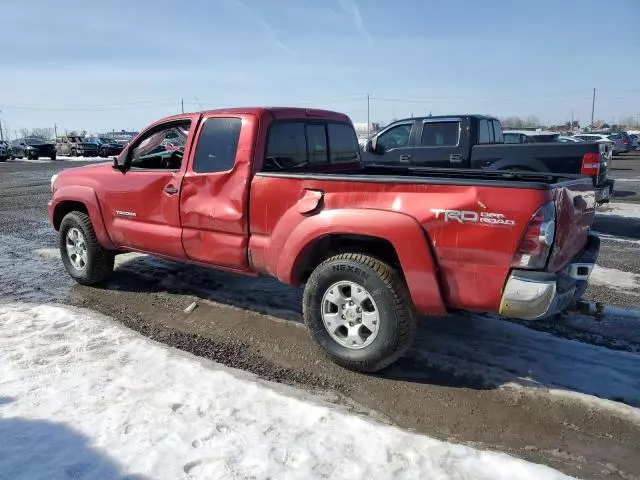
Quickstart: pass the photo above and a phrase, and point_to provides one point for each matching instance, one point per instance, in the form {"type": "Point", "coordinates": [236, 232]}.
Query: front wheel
{"type": "Point", "coordinates": [358, 309]}
{"type": "Point", "coordinates": [53, 157]}
{"type": "Point", "coordinates": [83, 257]}
{"type": "Point", "coordinates": [73, 153]}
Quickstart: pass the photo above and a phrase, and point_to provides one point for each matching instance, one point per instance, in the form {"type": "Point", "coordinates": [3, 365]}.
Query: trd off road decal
{"type": "Point", "coordinates": [467, 216]}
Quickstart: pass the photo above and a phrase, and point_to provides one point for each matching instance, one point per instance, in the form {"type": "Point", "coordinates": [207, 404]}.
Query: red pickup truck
{"type": "Point", "coordinates": [282, 192]}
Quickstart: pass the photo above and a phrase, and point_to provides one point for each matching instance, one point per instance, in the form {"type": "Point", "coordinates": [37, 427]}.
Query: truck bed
{"type": "Point", "coordinates": [441, 176]}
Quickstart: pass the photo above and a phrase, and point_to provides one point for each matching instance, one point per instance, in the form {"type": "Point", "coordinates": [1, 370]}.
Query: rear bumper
{"type": "Point", "coordinates": [604, 192]}
{"type": "Point", "coordinates": [531, 295]}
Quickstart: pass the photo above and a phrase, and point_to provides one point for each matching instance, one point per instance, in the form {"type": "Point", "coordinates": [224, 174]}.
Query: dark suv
{"type": "Point", "coordinates": [32, 148]}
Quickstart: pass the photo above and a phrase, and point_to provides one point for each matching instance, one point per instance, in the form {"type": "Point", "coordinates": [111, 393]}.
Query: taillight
{"type": "Point", "coordinates": [590, 164]}
{"type": "Point", "coordinates": [536, 243]}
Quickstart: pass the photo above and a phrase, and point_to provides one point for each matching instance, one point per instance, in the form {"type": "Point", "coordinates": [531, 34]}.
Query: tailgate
{"type": "Point", "coordinates": [605, 152]}
{"type": "Point", "coordinates": [575, 209]}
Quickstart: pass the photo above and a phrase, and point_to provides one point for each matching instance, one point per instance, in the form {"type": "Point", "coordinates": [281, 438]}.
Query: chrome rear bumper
{"type": "Point", "coordinates": [531, 295]}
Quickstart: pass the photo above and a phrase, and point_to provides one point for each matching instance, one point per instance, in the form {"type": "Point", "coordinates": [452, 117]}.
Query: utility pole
{"type": "Point", "coordinates": [55, 129]}
{"type": "Point", "coordinates": [1, 133]}
{"type": "Point", "coordinates": [368, 117]}
{"type": "Point", "coordinates": [182, 104]}
{"type": "Point", "coordinates": [593, 108]}
{"type": "Point", "coordinates": [571, 127]}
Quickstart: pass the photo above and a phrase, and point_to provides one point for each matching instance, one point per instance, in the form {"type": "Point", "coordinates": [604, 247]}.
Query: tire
{"type": "Point", "coordinates": [99, 262]}
{"type": "Point", "coordinates": [103, 153]}
{"type": "Point", "coordinates": [387, 294]}
{"type": "Point", "coordinates": [53, 157]}
{"type": "Point", "coordinates": [73, 153]}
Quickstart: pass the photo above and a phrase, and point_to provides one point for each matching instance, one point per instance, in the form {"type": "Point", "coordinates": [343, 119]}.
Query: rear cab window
{"type": "Point", "coordinates": [297, 144]}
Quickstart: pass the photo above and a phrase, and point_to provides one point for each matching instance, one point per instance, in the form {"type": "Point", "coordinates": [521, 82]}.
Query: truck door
{"type": "Point", "coordinates": [215, 189]}
{"type": "Point", "coordinates": [440, 143]}
{"type": "Point", "coordinates": [142, 206]}
{"type": "Point", "coordinates": [62, 146]}
{"type": "Point", "coordinates": [393, 145]}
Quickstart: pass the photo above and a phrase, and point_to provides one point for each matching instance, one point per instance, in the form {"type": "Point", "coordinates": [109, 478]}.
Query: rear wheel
{"type": "Point", "coordinates": [53, 156]}
{"type": "Point", "coordinates": [73, 152]}
{"type": "Point", "coordinates": [358, 309]}
{"type": "Point", "coordinates": [103, 152]}
{"type": "Point", "coordinates": [83, 257]}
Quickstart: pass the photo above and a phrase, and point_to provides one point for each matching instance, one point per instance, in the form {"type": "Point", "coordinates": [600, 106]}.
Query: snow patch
{"type": "Point", "coordinates": [615, 279]}
{"type": "Point", "coordinates": [629, 210]}
{"type": "Point", "coordinates": [125, 405]}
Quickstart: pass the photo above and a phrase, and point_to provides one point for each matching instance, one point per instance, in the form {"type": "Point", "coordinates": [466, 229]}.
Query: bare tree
{"type": "Point", "coordinates": [518, 122]}
{"type": "Point", "coordinates": [43, 133]}
{"type": "Point", "coordinates": [24, 132]}
{"type": "Point", "coordinates": [628, 121]}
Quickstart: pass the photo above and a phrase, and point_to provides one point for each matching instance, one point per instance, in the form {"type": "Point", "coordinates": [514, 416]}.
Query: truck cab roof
{"type": "Point", "coordinates": [276, 112]}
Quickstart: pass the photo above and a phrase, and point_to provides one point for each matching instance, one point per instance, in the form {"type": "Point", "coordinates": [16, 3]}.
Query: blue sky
{"type": "Point", "coordinates": [123, 64]}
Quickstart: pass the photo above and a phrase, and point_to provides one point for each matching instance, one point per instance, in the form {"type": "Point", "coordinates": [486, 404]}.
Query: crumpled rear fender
{"type": "Point", "coordinates": [405, 234]}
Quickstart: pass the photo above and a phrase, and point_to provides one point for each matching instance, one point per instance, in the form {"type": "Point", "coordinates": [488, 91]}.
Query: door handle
{"type": "Point", "coordinates": [405, 158]}
{"type": "Point", "coordinates": [170, 189]}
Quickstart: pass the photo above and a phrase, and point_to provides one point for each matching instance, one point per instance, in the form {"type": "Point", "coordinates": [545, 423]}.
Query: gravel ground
{"type": "Point", "coordinates": [477, 380]}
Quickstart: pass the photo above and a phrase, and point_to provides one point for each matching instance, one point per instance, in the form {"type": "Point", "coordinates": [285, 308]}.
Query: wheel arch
{"type": "Point", "coordinates": [83, 199]}
{"type": "Point", "coordinates": [394, 237]}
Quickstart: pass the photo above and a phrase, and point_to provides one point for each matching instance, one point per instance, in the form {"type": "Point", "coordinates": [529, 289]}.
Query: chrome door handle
{"type": "Point", "coordinates": [170, 189]}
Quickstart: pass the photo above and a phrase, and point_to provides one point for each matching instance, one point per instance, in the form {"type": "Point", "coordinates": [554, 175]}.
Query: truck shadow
{"type": "Point", "coordinates": [461, 350]}
{"type": "Point", "coordinates": [43, 449]}
{"type": "Point", "coordinates": [617, 225]}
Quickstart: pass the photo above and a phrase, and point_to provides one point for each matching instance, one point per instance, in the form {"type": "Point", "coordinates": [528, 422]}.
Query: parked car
{"type": "Point", "coordinates": [282, 192]}
{"type": "Point", "coordinates": [530, 136]}
{"type": "Point", "coordinates": [616, 144]}
{"type": "Point", "coordinates": [477, 142]}
{"type": "Point", "coordinates": [32, 148]}
{"type": "Point", "coordinates": [569, 139]}
{"type": "Point", "coordinates": [75, 145]}
{"type": "Point", "coordinates": [106, 146]}
{"type": "Point", "coordinates": [621, 138]}
{"type": "Point", "coordinates": [4, 151]}
{"type": "Point", "coordinates": [635, 141]}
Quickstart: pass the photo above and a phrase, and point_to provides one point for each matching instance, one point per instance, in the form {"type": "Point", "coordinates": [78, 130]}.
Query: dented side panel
{"type": "Point", "coordinates": [473, 231]}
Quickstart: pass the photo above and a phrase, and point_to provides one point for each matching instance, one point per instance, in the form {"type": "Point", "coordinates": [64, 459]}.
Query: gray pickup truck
{"type": "Point", "coordinates": [477, 142]}
{"type": "Point", "coordinates": [75, 145]}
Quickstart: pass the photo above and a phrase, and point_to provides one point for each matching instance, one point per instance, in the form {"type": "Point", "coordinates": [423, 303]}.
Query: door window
{"type": "Point", "coordinates": [161, 148]}
{"type": "Point", "coordinates": [440, 134]}
{"type": "Point", "coordinates": [217, 145]}
{"type": "Point", "coordinates": [395, 137]}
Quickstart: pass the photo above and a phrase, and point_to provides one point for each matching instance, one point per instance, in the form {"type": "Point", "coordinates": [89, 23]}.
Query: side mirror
{"type": "Point", "coordinates": [117, 166]}
{"type": "Point", "coordinates": [373, 145]}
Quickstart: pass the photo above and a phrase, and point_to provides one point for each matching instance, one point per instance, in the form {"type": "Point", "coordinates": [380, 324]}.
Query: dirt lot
{"type": "Point", "coordinates": [530, 390]}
